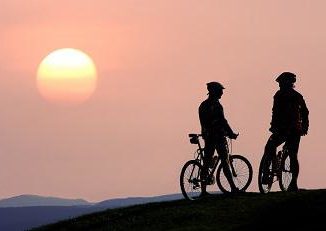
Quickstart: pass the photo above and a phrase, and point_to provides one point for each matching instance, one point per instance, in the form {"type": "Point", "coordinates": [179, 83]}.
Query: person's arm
{"type": "Point", "coordinates": [305, 117]}
{"type": "Point", "coordinates": [275, 115]}
{"type": "Point", "coordinates": [227, 128]}
{"type": "Point", "coordinates": [203, 119]}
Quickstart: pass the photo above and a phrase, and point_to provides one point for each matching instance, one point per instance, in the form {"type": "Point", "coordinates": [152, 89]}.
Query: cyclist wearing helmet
{"type": "Point", "coordinates": [214, 130]}
{"type": "Point", "coordinates": [289, 122]}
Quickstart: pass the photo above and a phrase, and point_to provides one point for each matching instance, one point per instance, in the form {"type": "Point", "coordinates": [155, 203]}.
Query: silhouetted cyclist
{"type": "Point", "coordinates": [215, 128]}
{"type": "Point", "coordinates": [289, 122]}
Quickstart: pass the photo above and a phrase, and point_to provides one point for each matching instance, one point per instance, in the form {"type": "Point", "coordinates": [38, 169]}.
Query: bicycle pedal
{"type": "Point", "coordinates": [210, 181]}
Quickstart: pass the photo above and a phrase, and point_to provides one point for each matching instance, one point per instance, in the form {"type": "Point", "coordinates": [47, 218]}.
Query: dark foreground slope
{"type": "Point", "coordinates": [305, 210]}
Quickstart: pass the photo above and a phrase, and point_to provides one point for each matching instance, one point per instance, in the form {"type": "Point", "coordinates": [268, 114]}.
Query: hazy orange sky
{"type": "Point", "coordinates": [153, 59]}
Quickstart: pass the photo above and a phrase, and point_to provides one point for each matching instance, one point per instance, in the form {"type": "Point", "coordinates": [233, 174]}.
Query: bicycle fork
{"type": "Point", "coordinates": [234, 174]}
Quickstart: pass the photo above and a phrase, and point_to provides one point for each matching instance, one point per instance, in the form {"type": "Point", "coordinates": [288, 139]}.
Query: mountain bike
{"type": "Point", "coordinates": [274, 168]}
{"type": "Point", "coordinates": [191, 178]}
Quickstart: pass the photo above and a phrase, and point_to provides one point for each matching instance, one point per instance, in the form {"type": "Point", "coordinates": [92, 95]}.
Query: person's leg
{"type": "Point", "coordinates": [224, 155]}
{"type": "Point", "coordinates": [273, 142]}
{"type": "Point", "coordinates": [292, 143]}
{"type": "Point", "coordinates": [209, 149]}
{"type": "Point", "coordinates": [270, 150]}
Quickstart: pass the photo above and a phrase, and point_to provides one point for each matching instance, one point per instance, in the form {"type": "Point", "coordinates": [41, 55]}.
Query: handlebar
{"type": "Point", "coordinates": [191, 135]}
{"type": "Point", "coordinates": [194, 140]}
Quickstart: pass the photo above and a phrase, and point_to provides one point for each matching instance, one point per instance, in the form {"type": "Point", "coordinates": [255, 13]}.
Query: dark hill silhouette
{"type": "Point", "coordinates": [304, 210]}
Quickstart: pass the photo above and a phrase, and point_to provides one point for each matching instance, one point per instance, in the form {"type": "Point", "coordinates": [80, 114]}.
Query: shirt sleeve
{"type": "Point", "coordinates": [202, 118]}
{"type": "Point", "coordinates": [305, 115]}
{"type": "Point", "coordinates": [227, 127]}
{"type": "Point", "coordinates": [275, 113]}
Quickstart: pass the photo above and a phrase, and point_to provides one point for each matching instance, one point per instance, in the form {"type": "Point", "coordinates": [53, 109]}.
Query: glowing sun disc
{"type": "Point", "coordinates": [66, 75]}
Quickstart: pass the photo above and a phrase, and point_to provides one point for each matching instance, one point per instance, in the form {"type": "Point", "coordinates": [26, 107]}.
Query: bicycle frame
{"type": "Point", "coordinates": [276, 170]}
{"type": "Point", "coordinates": [200, 157]}
{"type": "Point", "coordinates": [283, 153]}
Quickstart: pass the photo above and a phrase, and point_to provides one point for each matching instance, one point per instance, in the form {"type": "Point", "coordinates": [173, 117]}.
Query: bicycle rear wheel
{"type": "Point", "coordinates": [190, 182]}
{"type": "Point", "coordinates": [285, 174]}
{"type": "Point", "coordinates": [265, 174]}
{"type": "Point", "coordinates": [241, 171]}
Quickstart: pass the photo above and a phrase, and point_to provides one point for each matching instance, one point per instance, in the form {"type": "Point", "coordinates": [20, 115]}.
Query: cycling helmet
{"type": "Point", "coordinates": [286, 77]}
{"type": "Point", "coordinates": [214, 86]}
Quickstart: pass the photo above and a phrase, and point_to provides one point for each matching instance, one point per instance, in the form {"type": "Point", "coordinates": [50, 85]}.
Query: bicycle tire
{"type": "Point", "coordinates": [243, 178]}
{"type": "Point", "coordinates": [190, 182]}
{"type": "Point", "coordinates": [265, 167]}
{"type": "Point", "coordinates": [285, 173]}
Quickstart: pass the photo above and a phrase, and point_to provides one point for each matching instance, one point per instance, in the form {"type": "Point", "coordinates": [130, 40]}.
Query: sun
{"type": "Point", "coordinates": [66, 76]}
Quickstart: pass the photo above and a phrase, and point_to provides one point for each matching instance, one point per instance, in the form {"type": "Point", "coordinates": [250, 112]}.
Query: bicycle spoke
{"type": "Point", "coordinates": [286, 174]}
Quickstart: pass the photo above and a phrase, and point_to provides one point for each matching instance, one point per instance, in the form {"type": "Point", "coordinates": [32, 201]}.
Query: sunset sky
{"type": "Point", "coordinates": [153, 59]}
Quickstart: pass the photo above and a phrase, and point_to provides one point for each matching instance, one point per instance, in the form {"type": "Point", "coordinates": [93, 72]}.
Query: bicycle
{"type": "Point", "coordinates": [190, 177]}
{"type": "Point", "coordinates": [274, 168]}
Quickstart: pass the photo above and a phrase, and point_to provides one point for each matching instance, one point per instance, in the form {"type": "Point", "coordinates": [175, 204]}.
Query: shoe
{"type": "Point", "coordinates": [293, 188]}
{"type": "Point", "coordinates": [205, 195]}
{"type": "Point", "coordinates": [236, 190]}
{"type": "Point", "coordinates": [266, 178]}
{"type": "Point", "coordinates": [210, 181]}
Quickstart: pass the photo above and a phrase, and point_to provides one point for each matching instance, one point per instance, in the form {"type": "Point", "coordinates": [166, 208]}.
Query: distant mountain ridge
{"type": "Point", "coordinates": [27, 200]}
{"type": "Point", "coordinates": [16, 216]}
{"type": "Point", "coordinates": [129, 201]}
{"type": "Point", "coordinates": [35, 200]}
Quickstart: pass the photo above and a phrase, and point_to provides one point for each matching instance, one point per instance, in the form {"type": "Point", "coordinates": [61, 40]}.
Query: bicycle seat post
{"type": "Point", "coordinates": [199, 145]}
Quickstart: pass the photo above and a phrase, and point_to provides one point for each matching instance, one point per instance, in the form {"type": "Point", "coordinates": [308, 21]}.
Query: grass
{"type": "Point", "coordinates": [304, 210]}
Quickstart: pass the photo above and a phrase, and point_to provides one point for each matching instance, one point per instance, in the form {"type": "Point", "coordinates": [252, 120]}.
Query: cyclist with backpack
{"type": "Point", "coordinates": [289, 122]}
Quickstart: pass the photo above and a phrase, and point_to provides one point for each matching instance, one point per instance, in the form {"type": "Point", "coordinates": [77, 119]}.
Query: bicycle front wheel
{"type": "Point", "coordinates": [241, 170]}
{"type": "Point", "coordinates": [285, 174]}
{"type": "Point", "coordinates": [265, 174]}
{"type": "Point", "coordinates": [190, 182]}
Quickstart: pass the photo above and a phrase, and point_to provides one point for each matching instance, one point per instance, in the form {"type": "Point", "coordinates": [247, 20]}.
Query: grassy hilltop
{"type": "Point", "coordinates": [305, 210]}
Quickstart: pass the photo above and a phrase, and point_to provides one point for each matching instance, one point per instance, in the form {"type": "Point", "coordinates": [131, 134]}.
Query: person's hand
{"type": "Point", "coordinates": [305, 128]}
{"type": "Point", "coordinates": [233, 136]}
{"type": "Point", "coordinates": [273, 130]}
{"type": "Point", "coordinates": [304, 132]}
